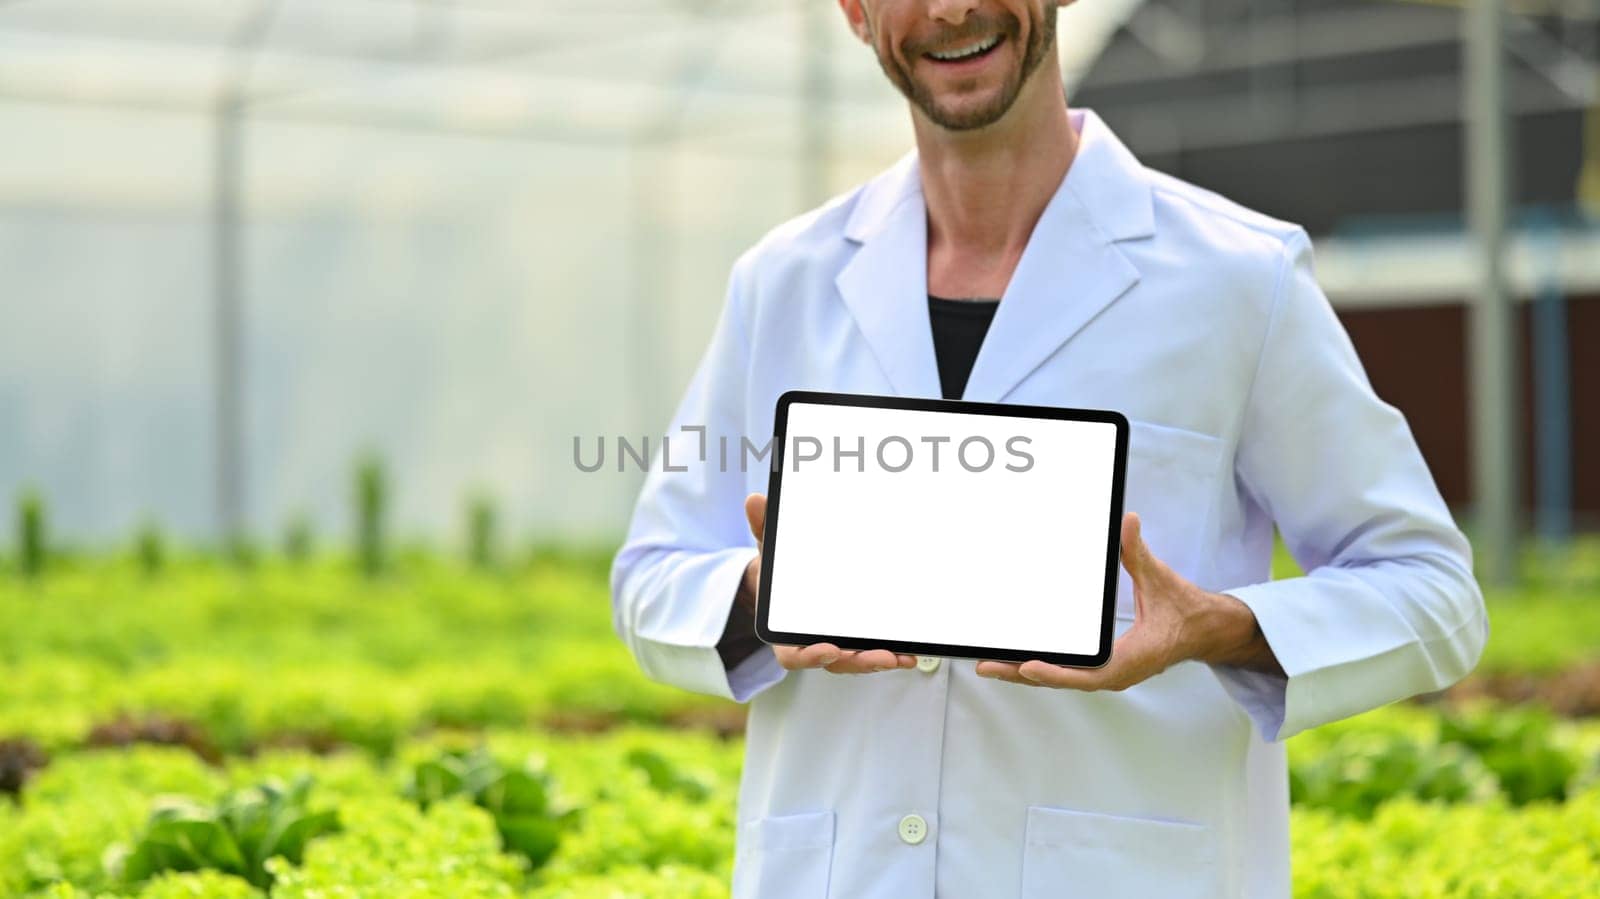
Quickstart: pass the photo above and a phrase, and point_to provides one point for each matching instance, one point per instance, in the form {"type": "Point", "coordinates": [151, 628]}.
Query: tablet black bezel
{"type": "Point", "coordinates": [780, 429]}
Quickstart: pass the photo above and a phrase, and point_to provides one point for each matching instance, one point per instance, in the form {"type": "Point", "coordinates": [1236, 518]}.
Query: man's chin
{"type": "Point", "coordinates": [968, 115]}
{"type": "Point", "coordinates": [964, 110]}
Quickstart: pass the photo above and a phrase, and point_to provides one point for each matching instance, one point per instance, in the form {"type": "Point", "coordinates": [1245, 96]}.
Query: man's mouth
{"type": "Point", "coordinates": [968, 51]}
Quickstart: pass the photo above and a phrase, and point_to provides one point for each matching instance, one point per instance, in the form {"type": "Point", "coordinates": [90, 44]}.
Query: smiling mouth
{"type": "Point", "coordinates": [968, 51]}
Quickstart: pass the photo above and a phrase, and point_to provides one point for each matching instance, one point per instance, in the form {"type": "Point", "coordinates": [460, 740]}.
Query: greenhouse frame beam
{"type": "Point", "coordinates": [379, 121]}
{"type": "Point", "coordinates": [1492, 325]}
{"type": "Point", "coordinates": [226, 264]}
{"type": "Point", "coordinates": [651, 250]}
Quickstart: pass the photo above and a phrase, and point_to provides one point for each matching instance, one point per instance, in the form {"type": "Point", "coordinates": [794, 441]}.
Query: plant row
{"type": "Point", "coordinates": [635, 814]}
{"type": "Point", "coordinates": [450, 815]}
{"type": "Point", "coordinates": [372, 544]}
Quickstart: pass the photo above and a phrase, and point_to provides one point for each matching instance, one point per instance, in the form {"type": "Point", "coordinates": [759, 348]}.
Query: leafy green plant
{"type": "Point", "coordinates": [371, 501]}
{"type": "Point", "coordinates": [665, 777]}
{"type": "Point", "coordinates": [236, 836]}
{"type": "Point", "coordinates": [391, 849]}
{"type": "Point", "coordinates": [1521, 747]}
{"type": "Point", "coordinates": [150, 548]}
{"type": "Point", "coordinates": [298, 539]}
{"type": "Point", "coordinates": [31, 547]}
{"type": "Point", "coordinates": [242, 552]}
{"type": "Point", "coordinates": [656, 843]}
{"type": "Point", "coordinates": [1361, 771]}
{"type": "Point", "coordinates": [1485, 851]}
{"type": "Point", "coordinates": [481, 548]}
{"type": "Point", "coordinates": [527, 814]}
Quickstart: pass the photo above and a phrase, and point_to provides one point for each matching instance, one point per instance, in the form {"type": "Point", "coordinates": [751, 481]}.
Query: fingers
{"type": "Point", "coordinates": [1044, 674]}
{"type": "Point", "coordinates": [841, 661]}
{"type": "Point", "coordinates": [816, 655]}
{"type": "Point", "coordinates": [1006, 671]}
{"type": "Point", "coordinates": [755, 511]}
{"type": "Point", "coordinates": [867, 661]}
{"type": "Point", "coordinates": [1134, 659]}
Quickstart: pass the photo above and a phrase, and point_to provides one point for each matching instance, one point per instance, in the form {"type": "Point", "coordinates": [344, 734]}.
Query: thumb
{"type": "Point", "coordinates": [755, 511]}
{"type": "Point", "coordinates": [1136, 557]}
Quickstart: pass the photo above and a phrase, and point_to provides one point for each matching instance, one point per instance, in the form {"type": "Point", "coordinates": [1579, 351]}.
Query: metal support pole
{"type": "Point", "coordinates": [1552, 392]}
{"type": "Point", "coordinates": [816, 98]}
{"type": "Point", "coordinates": [226, 169]}
{"type": "Point", "coordinates": [226, 264]}
{"type": "Point", "coordinates": [650, 248]}
{"type": "Point", "coordinates": [1492, 331]}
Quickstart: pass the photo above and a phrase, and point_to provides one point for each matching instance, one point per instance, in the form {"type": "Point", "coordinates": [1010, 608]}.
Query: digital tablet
{"type": "Point", "coordinates": [943, 527]}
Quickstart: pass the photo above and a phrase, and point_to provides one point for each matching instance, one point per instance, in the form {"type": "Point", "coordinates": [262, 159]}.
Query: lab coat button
{"type": "Point", "coordinates": [913, 829]}
{"type": "Point", "coordinates": [928, 664]}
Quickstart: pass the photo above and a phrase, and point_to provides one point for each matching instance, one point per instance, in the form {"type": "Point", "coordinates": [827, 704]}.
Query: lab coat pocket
{"type": "Point", "coordinates": [1071, 853]}
{"type": "Point", "coordinates": [784, 857]}
{"type": "Point", "coordinates": [1171, 483]}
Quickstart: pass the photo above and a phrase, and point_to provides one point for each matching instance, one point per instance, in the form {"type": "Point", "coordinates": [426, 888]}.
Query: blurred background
{"type": "Point", "coordinates": [243, 242]}
{"type": "Point", "coordinates": [333, 285]}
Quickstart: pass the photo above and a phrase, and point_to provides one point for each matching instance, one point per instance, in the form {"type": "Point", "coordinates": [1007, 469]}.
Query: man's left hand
{"type": "Point", "coordinates": [1173, 621]}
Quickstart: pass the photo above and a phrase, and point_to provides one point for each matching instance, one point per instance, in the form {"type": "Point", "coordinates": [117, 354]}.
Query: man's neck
{"type": "Point", "coordinates": [985, 189]}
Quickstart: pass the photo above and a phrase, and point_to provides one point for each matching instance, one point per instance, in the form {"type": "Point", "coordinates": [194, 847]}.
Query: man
{"type": "Point", "coordinates": [1163, 773]}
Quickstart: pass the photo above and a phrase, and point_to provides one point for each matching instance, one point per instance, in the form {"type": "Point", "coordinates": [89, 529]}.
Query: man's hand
{"type": "Point", "coordinates": [817, 655]}
{"type": "Point", "coordinates": [1173, 621]}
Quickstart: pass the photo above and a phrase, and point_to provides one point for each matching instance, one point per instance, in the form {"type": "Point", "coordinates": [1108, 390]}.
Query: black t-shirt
{"type": "Point", "coordinates": [959, 327]}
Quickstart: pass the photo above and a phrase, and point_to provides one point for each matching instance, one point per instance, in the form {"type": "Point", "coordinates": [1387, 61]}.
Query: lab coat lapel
{"type": "Point", "coordinates": [885, 284]}
{"type": "Point", "coordinates": [1072, 268]}
{"type": "Point", "coordinates": [1070, 271]}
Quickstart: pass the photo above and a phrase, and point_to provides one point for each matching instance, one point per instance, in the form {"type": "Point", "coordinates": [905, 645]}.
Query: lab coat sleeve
{"type": "Point", "coordinates": [673, 581]}
{"type": "Point", "coordinates": [1388, 607]}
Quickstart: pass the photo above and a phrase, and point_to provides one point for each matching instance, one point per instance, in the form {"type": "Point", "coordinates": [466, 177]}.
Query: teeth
{"type": "Point", "coordinates": [969, 50]}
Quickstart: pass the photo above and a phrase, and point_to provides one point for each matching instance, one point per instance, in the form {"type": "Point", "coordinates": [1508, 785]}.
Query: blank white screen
{"type": "Point", "coordinates": [995, 558]}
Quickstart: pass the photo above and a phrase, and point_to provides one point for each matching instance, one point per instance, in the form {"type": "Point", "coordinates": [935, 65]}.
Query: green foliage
{"type": "Point", "coordinates": [150, 548]}
{"type": "Point", "coordinates": [205, 884]}
{"type": "Point", "coordinates": [84, 802]}
{"type": "Point", "coordinates": [166, 885]}
{"type": "Point", "coordinates": [371, 506]}
{"type": "Point", "coordinates": [1417, 850]}
{"type": "Point", "coordinates": [241, 552]}
{"type": "Point", "coordinates": [236, 836]}
{"type": "Point", "coordinates": [1368, 768]}
{"type": "Point", "coordinates": [299, 540]}
{"type": "Point", "coordinates": [288, 651]}
{"type": "Point", "coordinates": [591, 561]}
{"type": "Point", "coordinates": [665, 777]}
{"type": "Point", "coordinates": [288, 661]}
{"type": "Point", "coordinates": [1513, 755]}
{"type": "Point", "coordinates": [1570, 566]}
{"type": "Point", "coordinates": [482, 549]}
{"type": "Point", "coordinates": [1524, 747]}
{"type": "Point", "coordinates": [527, 815]}
{"type": "Point", "coordinates": [1542, 630]}
{"type": "Point", "coordinates": [31, 539]}
{"type": "Point", "coordinates": [390, 848]}
{"type": "Point", "coordinates": [641, 837]}
{"type": "Point", "coordinates": [1550, 623]}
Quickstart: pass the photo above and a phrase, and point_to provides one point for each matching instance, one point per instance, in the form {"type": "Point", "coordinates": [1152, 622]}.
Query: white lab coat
{"type": "Point", "coordinates": [1201, 321]}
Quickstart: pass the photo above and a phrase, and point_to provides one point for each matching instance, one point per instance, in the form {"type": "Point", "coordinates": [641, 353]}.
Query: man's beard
{"type": "Point", "coordinates": [1041, 40]}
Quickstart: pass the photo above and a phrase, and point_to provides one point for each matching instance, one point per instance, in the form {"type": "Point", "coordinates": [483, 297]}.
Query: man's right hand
{"type": "Point", "coordinates": [817, 655]}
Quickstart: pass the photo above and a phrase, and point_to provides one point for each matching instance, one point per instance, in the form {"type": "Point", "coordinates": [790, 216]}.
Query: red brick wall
{"type": "Point", "coordinates": [1416, 359]}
